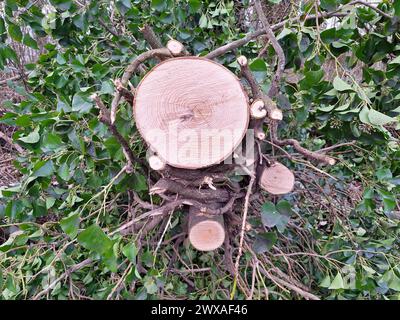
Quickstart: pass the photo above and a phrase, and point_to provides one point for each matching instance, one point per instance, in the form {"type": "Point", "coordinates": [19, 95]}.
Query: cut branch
{"type": "Point", "coordinates": [207, 195]}
{"type": "Point", "coordinates": [150, 37]}
{"type": "Point", "coordinates": [296, 145]}
{"type": "Point", "coordinates": [274, 89]}
{"type": "Point", "coordinates": [253, 35]}
{"type": "Point", "coordinates": [104, 117]}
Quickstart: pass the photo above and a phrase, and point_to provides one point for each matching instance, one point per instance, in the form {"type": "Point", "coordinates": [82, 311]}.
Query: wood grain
{"type": "Point", "coordinates": [192, 112]}
{"type": "Point", "coordinates": [277, 179]}
{"type": "Point", "coordinates": [206, 232]}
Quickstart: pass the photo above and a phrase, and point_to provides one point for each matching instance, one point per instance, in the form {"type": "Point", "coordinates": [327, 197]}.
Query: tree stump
{"type": "Point", "coordinates": [191, 111]}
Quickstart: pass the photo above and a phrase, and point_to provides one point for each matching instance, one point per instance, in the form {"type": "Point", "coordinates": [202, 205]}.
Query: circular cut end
{"type": "Point", "coordinates": [175, 47]}
{"type": "Point", "coordinates": [242, 60]}
{"type": "Point", "coordinates": [156, 163]}
{"type": "Point", "coordinates": [277, 179]}
{"type": "Point", "coordinates": [257, 109]}
{"type": "Point", "coordinates": [207, 235]}
{"type": "Point", "coordinates": [192, 112]}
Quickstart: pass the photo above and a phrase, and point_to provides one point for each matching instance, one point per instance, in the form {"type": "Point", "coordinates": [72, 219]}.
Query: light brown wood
{"type": "Point", "coordinates": [156, 163]}
{"type": "Point", "coordinates": [277, 179]}
{"type": "Point", "coordinates": [175, 47]}
{"type": "Point", "coordinates": [206, 232]}
{"type": "Point", "coordinates": [193, 112]}
{"type": "Point", "coordinates": [257, 109]}
{"type": "Point", "coordinates": [242, 60]}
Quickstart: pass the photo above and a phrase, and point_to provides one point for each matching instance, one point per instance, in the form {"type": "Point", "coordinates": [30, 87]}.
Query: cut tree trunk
{"type": "Point", "coordinates": [206, 232]}
{"type": "Point", "coordinates": [191, 111]}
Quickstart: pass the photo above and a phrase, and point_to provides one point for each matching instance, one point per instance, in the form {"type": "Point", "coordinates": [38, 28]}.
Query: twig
{"type": "Point", "coordinates": [11, 142]}
{"type": "Point", "coordinates": [105, 26]}
{"type": "Point", "coordinates": [274, 89]}
{"type": "Point", "coordinates": [74, 268]}
{"type": "Point", "coordinates": [242, 232]}
{"type": "Point", "coordinates": [150, 37]}
{"type": "Point", "coordinates": [162, 52]}
{"type": "Point", "coordinates": [253, 35]}
{"type": "Point", "coordinates": [104, 117]}
{"type": "Point", "coordinates": [296, 145]}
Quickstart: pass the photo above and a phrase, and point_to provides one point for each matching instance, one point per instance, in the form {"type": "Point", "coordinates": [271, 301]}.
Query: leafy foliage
{"type": "Point", "coordinates": [339, 234]}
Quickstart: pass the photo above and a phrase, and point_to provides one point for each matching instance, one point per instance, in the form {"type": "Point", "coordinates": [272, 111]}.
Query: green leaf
{"type": "Point", "coordinates": [30, 42]}
{"type": "Point", "coordinates": [377, 118]}
{"type": "Point", "coordinates": [94, 239]}
{"type": "Point", "coordinates": [326, 282]}
{"type": "Point", "coordinates": [63, 5]}
{"type": "Point", "coordinates": [70, 224]}
{"type": "Point", "coordinates": [15, 32]}
{"type": "Point", "coordinates": [384, 174]}
{"type": "Point", "coordinates": [2, 26]}
{"type": "Point", "coordinates": [51, 141]}
{"type": "Point", "coordinates": [363, 115]}
{"type": "Point", "coordinates": [395, 60]}
{"type": "Point", "coordinates": [203, 21]}
{"type": "Point", "coordinates": [43, 169]}
{"type": "Point", "coordinates": [284, 207]}
{"type": "Point", "coordinates": [341, 85]}
{"type": "Point", "coordinates": [258, 65]}
{"type": "Point", "coordinates": [194, 6]}
{"type": "Point", "coordinates": [269, 215]}
{"type": "Point", "coordinates": [81, 103]}
{"type": "Point", "coordinates": [33, 137]}
{"type": "Point", "coordinates": [130, 251]}
{"type": "Point", "coordinates": [284, 33]}
{"type": "Point", "coordinates": [337, 282]}
{"type": "Point", "coordinates": [264, 242]}
{"type": "Point", "coordinates": [311, 78]}
{"type": "Point", "coordinates": [326, 108]}
{"type": "Point", "coordinates": [158, 5]}
{"type": "Point", "coordinates": [396, 5]}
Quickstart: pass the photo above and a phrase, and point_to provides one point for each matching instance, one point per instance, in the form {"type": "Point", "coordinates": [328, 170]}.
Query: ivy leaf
{"type": "Point", "coordinates": [341, 85]}
{"type": "Point", "coordinates": [33, 137]}
{"type": "Point", "coordinates": [30, 42]}
{"type": "Point", "coordinates": [81, 103]}
{"type": "Point", "coordinates": [284, 208]}
{"type": "Point", "coordinates": [94, 239]}
{"type": "Point", "coordinates": [130, 251]}
{"type": "Point", "coordinates": [377, 118]}
{"type": "Point", "coordinates": [258, 65]}
{"type": "Point", "coordinates": [337, 282]}
{"type": "Point", "coordinates": [264, 242]}
{"type": "Point", "coordinates": [63, 5]}
{"type": "Point", "coordinates": [15, 32]}
{"type": "Point", "coordinates": [2, 26]}
{"type": "Point", "coordinates": [396, 5]}
{"type": "Point", "coordinates": [326, 282]}
{"type": "Point", "coordinates": [269, 215]}
{"type": "Point", "coordinates": [43, 169]}
{"type": "Point", "coordinates": [203, 21]}
{"type": "Point", "coordinates": [70, 224]}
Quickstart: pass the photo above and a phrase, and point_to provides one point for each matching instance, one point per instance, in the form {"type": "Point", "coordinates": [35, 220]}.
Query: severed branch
{"type": "Point", "coordinates": [130, 70]}
{"type": "Point", "coordinates": [296, 145]}
{"type": "Point", "coordinates": [273, 112]}
{"type": "Point", "coordinates": [206, 195]}
{"type": "Point", "coordinates": [253, 35]}
{"type": "Point", "coordinates": [104, 117]}
{"type": "Point", "coordinates": [273, 91]}
{"type": "Point", "coordinates": [150, 37]}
